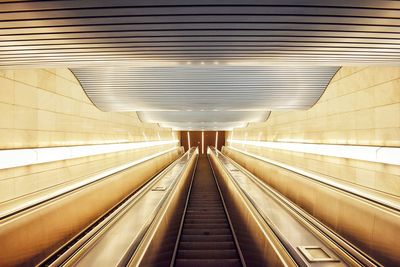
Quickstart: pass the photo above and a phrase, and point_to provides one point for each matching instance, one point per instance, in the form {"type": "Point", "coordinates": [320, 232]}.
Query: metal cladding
{"type": "Point", "coordinates": [247, 55]}
{"type": "Point", "coordinates": [203, 120]}
{"type": "Point", "coordinates": [196, 91]}
{"type": "Point", "coordinates": [299, 32]}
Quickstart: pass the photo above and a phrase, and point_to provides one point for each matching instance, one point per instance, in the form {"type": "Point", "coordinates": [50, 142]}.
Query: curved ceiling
{"type": "Point", "coordinates": [204, 87]}
{"type": "Point", "coordinates": [199, 96]}
{"type": "Point", "coordinates": [203, 120]}
{"type": "Point", "coordinates": [225, 55]}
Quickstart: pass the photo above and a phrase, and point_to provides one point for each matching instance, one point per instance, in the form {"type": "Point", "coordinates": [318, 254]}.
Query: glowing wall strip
{"type": "Point", "coordinates": [390, 202]}
{"type": "Point", "coordinates": [389, 155]}
{"type": "Point", "coordinates": [202, 142]}
{"type": "Point", "coordinates": [216, 140]}
{"type": "Point", "coordinates": [22, 157]}
{"type": "Point", "coordinates": [188, 137]}
{"type": "Point", "coordinates": [11, 207]}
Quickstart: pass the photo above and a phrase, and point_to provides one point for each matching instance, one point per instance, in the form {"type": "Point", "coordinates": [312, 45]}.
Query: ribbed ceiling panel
{"type": "Point", "coordinates": [179, 55]}
{"type": "Point", "coordinates": [204, 87]}
{"type": "Point", "coordinates": [85, 32]}
{"type": "Point", "coordinates": [203, 120]}
{"type": "Point", "coordinates": [197, 126]}
{"type": "Point", "coordinates": [203, 116]}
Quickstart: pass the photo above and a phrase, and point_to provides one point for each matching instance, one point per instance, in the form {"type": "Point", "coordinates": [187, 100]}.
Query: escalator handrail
{"type": "Point", "coordinates": [345, 245]}
{"type": "Point", "coordinates": [81, 246]}
{"type": "Point", "coordinates": [133, 250]}
{"type": "Point", "coordinates": [243, 262]}
{"type": "Point", "coordinates": [318, 178]}
{"type": "Point", "coordinates": [11, 213]}
{"type": "Point", "coordinates": [174, 253]}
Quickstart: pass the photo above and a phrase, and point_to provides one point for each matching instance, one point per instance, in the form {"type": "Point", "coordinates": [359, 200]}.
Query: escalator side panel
{"type": "Point", "coordinates": [161, 246]}
{"type": "Point", "coordinates": [372, 228]}
{"type": "Point", "coordinates": [258, 247]}
{"type": "Point", "coordinates": [27, 239]}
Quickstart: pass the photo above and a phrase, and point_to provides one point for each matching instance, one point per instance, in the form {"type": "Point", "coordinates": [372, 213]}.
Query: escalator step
{"type": "Point", "coordinates": [206, 231]}
{"type": "Point", "coordinates": [207, 254]}
{"type": "Point", "coordinates": [201, 221]}
{"type": "Point", "coordinates": [205, 216]}
{"type": "Point", "coordinates": [209, 212]}
{"type": "Point", "coordinates": [207, 245]}
{"type": "Point", "coordinates": [206, 238]}
{"type": "Point", "coordinates": [206, 225]}
{"type": "Point", "coordinates": [207, 263]}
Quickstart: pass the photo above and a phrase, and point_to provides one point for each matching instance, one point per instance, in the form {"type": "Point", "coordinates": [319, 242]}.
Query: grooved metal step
{"type": "Point", "coordinates": [207, 254]}
{"type": "Point", "coordinates": [208, 263]}
{"type": "Point", "coordinates": [207, 245]}
{"type": "Point", "coordinates": [206, 238]}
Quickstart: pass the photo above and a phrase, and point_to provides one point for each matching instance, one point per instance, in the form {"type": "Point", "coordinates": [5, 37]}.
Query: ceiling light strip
{"type": "Point", "coordinates": [388, 155]}
{"type": "Point", "coordinates": [22, 157]}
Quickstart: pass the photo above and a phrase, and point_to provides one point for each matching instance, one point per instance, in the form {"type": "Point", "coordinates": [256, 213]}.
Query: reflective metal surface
{"type": "Point", "coordinates": [203, 120]}
{"type": "Point", "coordinates": [84, 32]}
{"type": "Point", "coordinates": [30, 236]}
{"type": "Point", "coordinates": [374, 196]}
{"type": "Point", "coordinates": [370, 227]}
{"type": "Point", "coordinates": [259, 245]}
{"type": "Point", "coordinates": [116, 243]}
{"type": "Point", "coordinates": [237, 55]}
{"type": "Point", "coordinates": [287, 227]}
{"type": "Point", "coordinates": [205, 96]}
{"type": "Point", "coordinates": [29, 201]}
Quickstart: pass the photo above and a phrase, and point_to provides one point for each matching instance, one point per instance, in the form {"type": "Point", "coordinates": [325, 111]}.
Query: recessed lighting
{"type": "Point", "coordinates": [21, 157]}
{"type": "Point", "coordinates": [389, 155]}
{"type": "Point", "coordinates": [202, 63]}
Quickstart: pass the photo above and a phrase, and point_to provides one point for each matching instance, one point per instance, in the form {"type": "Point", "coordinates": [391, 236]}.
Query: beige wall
{"type": "Point", "coordinates": [361, 106]}
{"type": "Point", "coordinates": [46, 108]}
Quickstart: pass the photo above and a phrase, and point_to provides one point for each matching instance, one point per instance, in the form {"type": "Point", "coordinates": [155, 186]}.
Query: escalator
{"type": "Point", "coordinates": [188, 214]}
{"type": "Point", "coordinates": [206, 237]}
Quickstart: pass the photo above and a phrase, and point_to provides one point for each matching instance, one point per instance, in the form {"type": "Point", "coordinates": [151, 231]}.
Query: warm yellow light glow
{"type": "Point", "coordinates": [389, 155]}
{"type": "Point", "coordinates": [216, 140]}
{"type": "Point", "coordinates": [202, 142]}
{"type": "Point", "coordinates": [21, 157]}
{"type": "Point", "coordinates": [324, 179]}
{"type": "Point", "coordinates": [21, 205]}
{"type": "Point", "coordinates": [188, 137]}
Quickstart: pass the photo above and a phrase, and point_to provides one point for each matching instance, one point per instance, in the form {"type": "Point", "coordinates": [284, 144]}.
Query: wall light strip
{"type": "Point", "coordinates": [202, 142]}
{"type": "Point", "coordinates": [188, 137]}
{"type": "Point", "coordinates": [22, 157]}
{"type": "Point", "coordinates": [11, 207]}
{"type": "Point", "coordinates": [392, 203]}
{"type": "Point", "coordinates": [216, 140]}
{"type": "Point", "coordinates": [389, 155]}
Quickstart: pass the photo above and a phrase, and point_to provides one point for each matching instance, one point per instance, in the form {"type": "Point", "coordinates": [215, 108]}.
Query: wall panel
{"type": "Point", "coordinates": [196, 139]}
{"type": "Point", "coordinates": [48, 108]}
{"type": "Point", "coordinates": [360, 106]}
